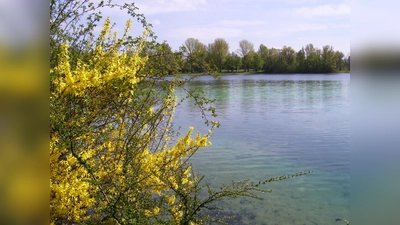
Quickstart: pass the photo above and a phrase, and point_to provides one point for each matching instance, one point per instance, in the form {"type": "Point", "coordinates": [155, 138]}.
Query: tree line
{"type": "Point", "coordinates": [196, 57]}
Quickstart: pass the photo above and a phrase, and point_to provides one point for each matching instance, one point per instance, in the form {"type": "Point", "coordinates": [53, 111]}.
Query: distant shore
{"type": "Point", "coordinates": [257, 73]}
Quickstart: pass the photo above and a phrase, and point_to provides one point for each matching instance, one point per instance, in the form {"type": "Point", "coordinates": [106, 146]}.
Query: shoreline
{"type": "Point", "coordinates": [257, 73]}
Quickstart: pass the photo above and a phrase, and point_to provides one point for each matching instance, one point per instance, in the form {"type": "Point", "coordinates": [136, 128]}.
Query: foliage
{"type": "Point", "coordinates": [247, 52]}
{"type": "Point", "coordinates": [218, 52]}
{"type": "Point", "coordinates": [162, 61]}
{"type": "Point", "coordinates": [75, 22]}
{"type": "Point", "coordinates": [195, 56]}
{"type": "Point", "coordinates": [267, 60]}
{"type": "Point", "coordinates": [233, 62]}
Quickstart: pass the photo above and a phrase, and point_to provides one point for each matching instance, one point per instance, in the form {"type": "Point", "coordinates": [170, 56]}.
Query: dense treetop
{"type": "Point", "coordinates": [309, 59]}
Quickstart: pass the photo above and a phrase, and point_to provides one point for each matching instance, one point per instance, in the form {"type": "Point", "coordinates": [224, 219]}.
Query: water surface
{"type": "Point", "coordinates": [273, 125]}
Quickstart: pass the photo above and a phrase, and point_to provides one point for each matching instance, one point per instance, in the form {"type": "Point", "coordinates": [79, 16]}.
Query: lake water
{"type": "Point", "coordinates": [273, 125]}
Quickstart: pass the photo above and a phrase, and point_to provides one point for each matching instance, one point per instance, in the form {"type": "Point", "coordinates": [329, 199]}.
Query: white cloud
{"type": "Point", "coordinates": [204, 33]}
{"type": "Point", "coordinates": [239, 23]}
{"type": "Point", "coordinates": [155, 22]}
{"type": "Point", "coordinates": [305, 27]}
{"type": "Point", "coordinates": [219, 29]}
{"type": "Point", "coordinates": [342, 25]}
{"type": "Point", "coordinates": [151, 7]}
{"type": "Point", "coordinates": [323, 10]}
{"type": "Point", "coordinates": [298, 2]}
{"type": "Point", "coordinates": [279, 32]}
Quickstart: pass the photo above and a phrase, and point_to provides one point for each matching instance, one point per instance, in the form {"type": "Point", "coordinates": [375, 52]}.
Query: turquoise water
{"type": "Point", "coordinates": [273, 125]}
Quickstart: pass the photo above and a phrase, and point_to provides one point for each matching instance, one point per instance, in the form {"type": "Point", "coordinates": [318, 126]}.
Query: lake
{"type": "Point", "coordinates": [274, 125]}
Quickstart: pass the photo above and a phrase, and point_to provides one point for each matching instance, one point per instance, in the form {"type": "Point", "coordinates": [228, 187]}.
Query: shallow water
{"type": "Point", "coordinates": [273, 125]}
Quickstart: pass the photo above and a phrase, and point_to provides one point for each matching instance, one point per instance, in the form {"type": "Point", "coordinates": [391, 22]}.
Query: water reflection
{"type": "Point", "coordinates": [280, 124]}
{"type": "Point", "coordinates": [267, 95]}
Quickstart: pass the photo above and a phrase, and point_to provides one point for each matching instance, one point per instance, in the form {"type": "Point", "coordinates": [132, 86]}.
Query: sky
{"type": "Point", "coordinates": [274, 23]}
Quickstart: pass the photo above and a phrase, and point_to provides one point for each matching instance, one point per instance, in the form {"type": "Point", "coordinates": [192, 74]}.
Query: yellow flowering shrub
{"type": "Point", "coordinates": [110, 150]}
{"type": "Point", "coordinates": [105, 64]}
{"type": "Point", "coordinates": [70, 196]}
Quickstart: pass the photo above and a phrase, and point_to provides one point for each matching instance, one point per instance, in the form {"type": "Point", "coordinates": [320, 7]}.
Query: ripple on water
{"type": "Point", "coordinates": [275, 125]}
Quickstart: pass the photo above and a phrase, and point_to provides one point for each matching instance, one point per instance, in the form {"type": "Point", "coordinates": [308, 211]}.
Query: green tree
{"type": "Point", "coordinates": [218, 52]}
{"type": "Point", "coordinates": [195, 55]}
{"type": "Point", "coordinates": [318, 68]}
{"type": "Point", "coordinates": [339, 60]}
{"type": "Point", "coordinates": [288, 60]}
{"type": "Point", "coordinates": [257, 62]}
{"type": "Point", "coordinates": [301, 61]}
{"type": "Point", "coordinates": [262, 50]}
{"type": "Point", "coordinates": [192, 45]}
{"type": "Point", "coordinates": [162, 60]}
{"type": "Point", "coordinates": [347, 62]}
{"type": "Point", "coordinates": [328, 59]}
{"type": "Point", "coordinates": [271, 61]}
{"type": "Point", "coordinates": [233, 62]}
{"type": "Point", "coordinates": [312, 59]}
{"type": "Point", "coordinates": [264, 54]}
{"type": "Point", "coordinates": [245, 50]}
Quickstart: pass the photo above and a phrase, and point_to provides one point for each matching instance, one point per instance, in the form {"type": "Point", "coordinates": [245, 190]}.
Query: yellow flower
{"type": "Point", "coordinates": [156, 210]}
{"type": "Point", "coordinates": [178, 214]}
{"type": "Point", "coordinates": [103, 67]}
{"type": "Point", "coordinates": [171, 199]}
{"type": "Point", "coordinates": [147, 213]}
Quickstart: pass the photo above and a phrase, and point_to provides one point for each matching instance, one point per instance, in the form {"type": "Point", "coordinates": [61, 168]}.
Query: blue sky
{"type": "Point", "coordinates": [274, 23]}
